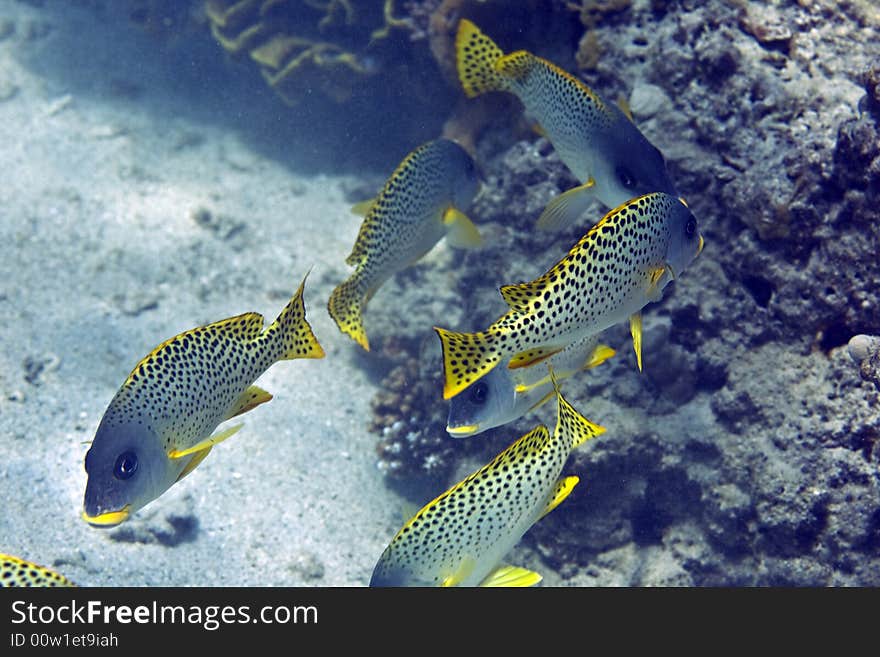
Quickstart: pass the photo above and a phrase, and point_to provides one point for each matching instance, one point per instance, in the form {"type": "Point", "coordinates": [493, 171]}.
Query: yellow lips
{"type": "Point", "coordinates": [108, 519]}
{"type": "Point", "coordinates": [462, 431]}
{"type": "Point", "coordinates": [702, 241]}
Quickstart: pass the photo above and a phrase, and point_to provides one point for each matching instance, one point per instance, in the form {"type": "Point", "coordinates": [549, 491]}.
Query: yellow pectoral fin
{"type": "Point", "coordinates": [207, 443]}
{"type": "Point", "coordinates": [654, 277]}
{"type": "Point", "coordinates": [565, 209]}
{"type": "Point", "coordinates": [532, 356]}
{"type": "Point", "coordinates": [194, 462]}
{"type": "Point", "coordinates": [600, 354]}
{"type": "Point", "coordinates": [635, 328]}
{"type": "Point", "coordinates": [462, 233]}
{"type": "Point", "coordinates": [362, 209]}
{"type": "Point", "coordinates": [511, 576]}
{"type": "Point", "coordinates": [248, 400]}
{"type": "Point", "coordinates": [563, 489]}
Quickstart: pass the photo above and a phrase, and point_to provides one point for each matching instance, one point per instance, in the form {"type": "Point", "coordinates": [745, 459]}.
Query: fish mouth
{"type": "Point", "coordinates": [700, 247]}
{"type": "Point", "coordinates": [109, 518]}
{"type": "Point", "coordinates": [463, 431]}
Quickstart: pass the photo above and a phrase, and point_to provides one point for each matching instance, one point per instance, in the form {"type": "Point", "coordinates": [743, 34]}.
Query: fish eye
{"type": "Point", "coordinates": [691, 227]}
{"type": "Point", "coordinates": [479, 392]}
{"type": "Point", "coordinates": [126, 465]}
{"type": "Point", "coordinates": [625, 177]}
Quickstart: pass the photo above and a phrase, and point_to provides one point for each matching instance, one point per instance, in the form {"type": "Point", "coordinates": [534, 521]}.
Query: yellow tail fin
{"type": "Point", "coordinates": [467, 357]}
{"type": "Point", "coordinates": [475, 57]}
{"type": "Point", "coordinates": [295, 334]}
{"type": "Point", "coordinates": [346, 307]}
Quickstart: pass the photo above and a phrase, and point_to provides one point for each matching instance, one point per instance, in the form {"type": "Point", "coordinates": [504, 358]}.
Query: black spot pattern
{"type": "Point", "coordinates": [482, 517]}
{"type": "Point", "coordinates": [404, 223]}
{"type": "Point", "coordinates": [569, 112]}
{"type": "Point", "coordinates": [16, 572]}
{"type": "Point", "coordinates": [594, 138]}
{"type": "Point", "coordinates": [187, 385]}
{"type": "Point", "coordinates": [604, 279]}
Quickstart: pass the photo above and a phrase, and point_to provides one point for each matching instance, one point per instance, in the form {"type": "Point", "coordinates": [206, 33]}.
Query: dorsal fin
{"type": "Point", "coordinates": [519, 295]}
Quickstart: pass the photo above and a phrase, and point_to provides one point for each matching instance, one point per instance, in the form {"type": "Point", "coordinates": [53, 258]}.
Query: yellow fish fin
{"type": "Point", "coordinates": [462, 232]}
{"type": "Point", "coordinates": [565, 209]}
{"type": "Point", "coordinates": [467, 357]}
{"type": "Point", "coordinates": [346, 306]}
{"type": "Point", "coordinates": [570, 424]}
{"type": "Point", "coordinates": [465, 568]}
{"type": "Point", "coordinates": [519, 296]}
{"type": "Point", "coordinates": [194, 462]}
{"type": "Point", "coordinates": [241, 328]}
{"type": "Point", "coordinates": [600, 354]}
{"type": "Point", "coordinates": [248, 400]}
{"type": "Point", "coordinates": [635, 329]}
{"type": "Point", "coordinates": [538, 129]}
{"type": "Point", "coordinates": [511, 576]}
{"type": "Point", "coordinates": [532, 356]}
{"type": "Point", "coordinates": [207, 443]}
{"type": "Point", "coordinates": [20, 573]}
{"type": "Point", "coordinates": [654, 275]}
{"type": "Point", "coordinates": [475, 58]}
{"type": "Point", "coordinates": [624, 107]}
{"type": "Point", "coordinates": [249, 324]}
{"type": "Point", "coordinates": [563, 489]}
{"type": "Point", "coordinates": [291, 331]}
{"type": "Point", "coordinates": [363, 208]}
{"type": "Point", "coordinates": [516, 65]}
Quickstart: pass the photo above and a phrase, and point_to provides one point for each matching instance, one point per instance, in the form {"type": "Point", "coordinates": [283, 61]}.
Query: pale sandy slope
{"type": "Point", "coordinates": [102, 260]}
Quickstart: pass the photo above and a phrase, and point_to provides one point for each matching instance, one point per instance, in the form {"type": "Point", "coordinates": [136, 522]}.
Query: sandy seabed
{"type": "Point", "coordinates": [127, 217]}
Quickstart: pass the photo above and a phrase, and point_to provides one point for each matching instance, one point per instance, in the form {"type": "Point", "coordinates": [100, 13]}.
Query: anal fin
{"type": "Point", "coordinates": [465, 568]}
{"type": "Point", "coordinates": [248, 400]}
{"type": "Point", "coordinates": [565, 209]}
{"type": "Point", "coordinates": [511, 576]}
{"type": "Point", "coordinates": [205, 444]}
{"type": "Point", "coordinates": [563, 489]}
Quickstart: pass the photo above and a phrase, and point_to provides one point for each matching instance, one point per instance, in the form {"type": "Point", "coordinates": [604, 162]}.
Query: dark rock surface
{"type": "Point", "coordinates": [748, 451]}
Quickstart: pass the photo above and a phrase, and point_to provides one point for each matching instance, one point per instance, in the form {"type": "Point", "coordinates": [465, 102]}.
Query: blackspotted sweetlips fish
{"type": "Point", "coordinates": [160, 424]}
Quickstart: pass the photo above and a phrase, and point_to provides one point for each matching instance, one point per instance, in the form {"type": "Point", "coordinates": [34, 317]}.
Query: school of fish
{"type": "Point", "coordinates": [167, 415]}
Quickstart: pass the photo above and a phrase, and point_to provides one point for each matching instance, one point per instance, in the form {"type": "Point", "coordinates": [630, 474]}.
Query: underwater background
{"type": "Point", "coordinates": [172, 163]}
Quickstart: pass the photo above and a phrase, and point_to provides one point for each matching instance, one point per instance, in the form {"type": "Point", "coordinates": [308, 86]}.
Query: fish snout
{"type": "Point", "coordinates": [108, 518]}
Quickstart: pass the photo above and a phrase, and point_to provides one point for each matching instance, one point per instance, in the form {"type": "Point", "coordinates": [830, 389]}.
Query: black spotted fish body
{"type": "Point", "coordinates": [18, 572]}
{"type": "Point", "coordinates": [421, 202]}
{"type": "Point", "coordinates": [505, 395]}
{"type": "Point", "coordinates": [158, 427]}
{"type": "Point", "coordinates": [617, 268]}
{"type": "Point", "coordinates": [461, 537]}
{"type": "Point", "coordinates": [596, 140]}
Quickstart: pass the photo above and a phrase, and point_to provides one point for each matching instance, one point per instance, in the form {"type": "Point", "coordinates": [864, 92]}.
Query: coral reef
{"type": "Point", "coordinates": [747, 452]}
{"type": "Point", "coordinates": [302, 45]}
